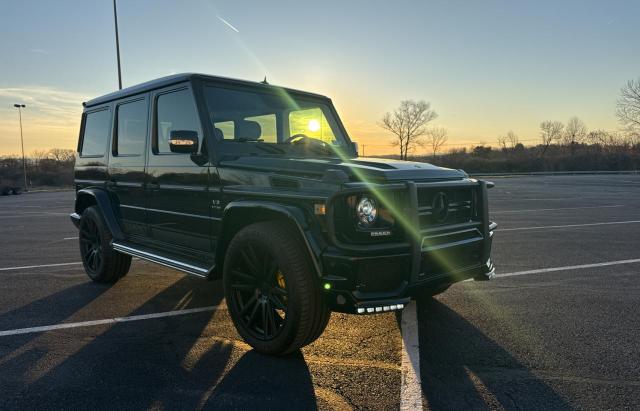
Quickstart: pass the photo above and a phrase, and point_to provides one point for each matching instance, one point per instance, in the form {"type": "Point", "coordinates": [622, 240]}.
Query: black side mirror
{"type": "Point", "coordinates": [354, 147]}
{"type": "Point", "coordinates": [183, 141]}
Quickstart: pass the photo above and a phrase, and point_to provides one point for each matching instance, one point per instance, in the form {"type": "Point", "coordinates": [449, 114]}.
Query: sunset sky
{"type": "Point", "coordinates": [485, 66]}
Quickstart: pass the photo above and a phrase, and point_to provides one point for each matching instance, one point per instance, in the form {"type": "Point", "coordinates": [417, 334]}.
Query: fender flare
{"type": "Point", "coordinates": [103, 201]}
{"type": "Point", "coordinates": [291, 213]}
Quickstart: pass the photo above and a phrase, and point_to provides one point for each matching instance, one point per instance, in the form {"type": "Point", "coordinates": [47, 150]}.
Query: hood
{"type": "Point", "coordinates": [378, 170]}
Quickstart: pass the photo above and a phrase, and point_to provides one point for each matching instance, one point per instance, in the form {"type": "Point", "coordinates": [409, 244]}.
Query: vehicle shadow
{"type": "Point", "coordinates": [463, 368]}
{"type": "Point", "coordinates": [260, 381]}
{"type": "Point", "coordinates": [139, 364]}
{"type": "Point", "coordinates": [181, 362]}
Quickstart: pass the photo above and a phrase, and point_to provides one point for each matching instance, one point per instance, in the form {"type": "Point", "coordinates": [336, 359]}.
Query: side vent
{"type": "Point", "coordinates": [279, 182]}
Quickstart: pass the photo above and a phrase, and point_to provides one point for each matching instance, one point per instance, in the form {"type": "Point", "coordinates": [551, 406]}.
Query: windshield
{"type": "Point", "coordinates": [275, 123]}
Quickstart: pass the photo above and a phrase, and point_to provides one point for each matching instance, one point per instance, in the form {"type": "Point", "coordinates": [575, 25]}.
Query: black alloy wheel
{"type": "Point", "coordinates": [91, 245]}
{"type": "Point", "coordinates": [272, 290]}
{"type": "Point", "coordinates": [101, 262]}
{"type": "Point", "coordinates": [259, 291]}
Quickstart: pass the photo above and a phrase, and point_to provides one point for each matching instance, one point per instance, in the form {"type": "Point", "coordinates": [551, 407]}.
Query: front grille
{"type": "Point", "coordinates": [459, 206]}
{"type": "Point", "coordinates": [450, 227]}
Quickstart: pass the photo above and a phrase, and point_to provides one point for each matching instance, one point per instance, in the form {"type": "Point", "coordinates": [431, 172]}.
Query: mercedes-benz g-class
{"type": "Point", "coordinates": [261, 186]}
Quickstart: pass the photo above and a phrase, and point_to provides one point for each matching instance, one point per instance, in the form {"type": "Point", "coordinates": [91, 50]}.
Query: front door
{"type": "Point", "coordinates": [178, 204]}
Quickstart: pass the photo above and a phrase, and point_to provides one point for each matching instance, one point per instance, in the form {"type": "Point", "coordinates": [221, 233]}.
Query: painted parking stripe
{"type": "Point", "coordinates": [93, 323]}
{"type": "Point", "coordinates": [569, 267]}
{"type": "Point", "coordinates": [553, 209]}
{"type": "Point", "coordinates": [542, 227]}
{"type": "Point", "coordinates": [410, 386]}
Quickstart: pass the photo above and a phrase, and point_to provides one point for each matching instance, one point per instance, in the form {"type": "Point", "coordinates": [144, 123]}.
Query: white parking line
{"type": "Point", "coordinates": [567, 225]}
{"type": "Point", "coordinates": [553, 209]}
{"type": "Point", "coordinates": [26, 267]}
{"type": "Point", "coordinates": [93, 323]}
{"type": "Point", "coordinates": [568, 267]}
{"type": "Point", "coordinates": [410, 386]}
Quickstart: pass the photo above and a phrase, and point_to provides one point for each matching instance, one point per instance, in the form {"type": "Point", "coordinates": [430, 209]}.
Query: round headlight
{"type": "Point", "coordinates": [367, 211]}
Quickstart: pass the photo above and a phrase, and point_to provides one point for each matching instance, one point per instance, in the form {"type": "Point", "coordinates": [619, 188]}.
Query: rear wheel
{"type": "Point", "coordinates": [101, 263]}
{"type": "Point", "coordinates": [272, 291]}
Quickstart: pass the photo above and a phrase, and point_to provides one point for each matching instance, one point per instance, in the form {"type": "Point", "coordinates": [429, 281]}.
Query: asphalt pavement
{"type": "Point", "coordinates": [557, 329]}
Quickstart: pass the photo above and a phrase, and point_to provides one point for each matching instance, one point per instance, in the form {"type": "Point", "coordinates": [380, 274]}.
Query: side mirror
{"type": "Point", "coordinates": [183, 141]}
{"type": "Point", "coordinates": [355, 147]}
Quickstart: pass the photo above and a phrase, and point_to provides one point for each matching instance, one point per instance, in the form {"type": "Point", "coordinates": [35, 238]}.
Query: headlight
{"type": "Point", "coordinates": [367, 211]}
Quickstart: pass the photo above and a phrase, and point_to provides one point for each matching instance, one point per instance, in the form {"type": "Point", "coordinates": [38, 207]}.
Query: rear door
{"type": "Point", "coordinates": [127, 164]}
{"type": "Point", "coordinates": [177, 189]}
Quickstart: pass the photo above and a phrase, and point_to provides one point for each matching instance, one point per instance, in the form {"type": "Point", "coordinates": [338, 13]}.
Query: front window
{"type": "Point", "coordinates": [274, 123]}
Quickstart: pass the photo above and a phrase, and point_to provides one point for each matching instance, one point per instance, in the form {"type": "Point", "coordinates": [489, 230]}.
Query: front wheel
{"type": "Point", "coordinates": [272, 292]}
{"type": "Point", "coordinates": [101, 262]}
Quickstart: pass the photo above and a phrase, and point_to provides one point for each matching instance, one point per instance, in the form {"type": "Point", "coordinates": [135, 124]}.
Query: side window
{"type": "Point", "coordinates": [96, 133]}
{"type": "Point", "coordinates": [267, 124]}
{"type": "Point", "coordinates": [227, 128]}
{"type": "Point", "coordinates": [311, 122]}
{"type": "Point", "coordinates": [175, 111]}
{"type": "Point", "coordinates": [132, 128]}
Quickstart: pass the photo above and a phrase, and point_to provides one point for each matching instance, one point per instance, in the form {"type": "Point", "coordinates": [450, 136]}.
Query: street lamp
{"type": "Point", "coordinates": [24, 162]}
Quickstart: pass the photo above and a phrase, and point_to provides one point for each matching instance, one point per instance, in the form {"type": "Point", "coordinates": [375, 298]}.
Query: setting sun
{"type": "Point", "coordinates": [314, 125]}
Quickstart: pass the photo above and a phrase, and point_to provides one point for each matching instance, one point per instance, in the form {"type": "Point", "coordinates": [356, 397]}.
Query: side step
{"type": "Point", "coordinates": [144, 253]}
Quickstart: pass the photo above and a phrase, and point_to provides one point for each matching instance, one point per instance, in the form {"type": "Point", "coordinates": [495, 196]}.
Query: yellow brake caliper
{"type": "Point", "coordinates": [280, 279]}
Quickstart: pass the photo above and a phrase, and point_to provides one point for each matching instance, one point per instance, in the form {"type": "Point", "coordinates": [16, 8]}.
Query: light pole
{"type": "Point", "coordinates": [115, 19]}
{"type": "Point", "coordinates": [24, 162]}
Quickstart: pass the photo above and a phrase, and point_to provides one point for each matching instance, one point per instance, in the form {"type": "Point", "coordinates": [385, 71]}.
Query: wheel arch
{"type": "Point", "coordinates": [88, 197]}
{"type": "Point", "coordinates": [241, 213]}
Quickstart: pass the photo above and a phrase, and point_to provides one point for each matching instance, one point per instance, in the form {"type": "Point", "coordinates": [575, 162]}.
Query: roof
{"type": "Point", "coordinates": [178, 78]}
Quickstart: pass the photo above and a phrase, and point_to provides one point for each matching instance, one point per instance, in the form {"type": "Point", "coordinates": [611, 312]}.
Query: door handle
{"type": "Point", "coordinates": [153, 186]}
{"type": "Point", "coordinates": [111, 183]}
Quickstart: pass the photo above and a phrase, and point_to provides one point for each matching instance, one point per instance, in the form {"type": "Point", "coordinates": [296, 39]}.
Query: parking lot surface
{"type": "Point", "coordinates": [557, 329]}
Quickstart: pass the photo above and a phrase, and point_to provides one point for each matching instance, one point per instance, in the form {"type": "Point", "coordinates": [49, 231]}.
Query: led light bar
{"type": "Point", "coordinates": [380, 309]}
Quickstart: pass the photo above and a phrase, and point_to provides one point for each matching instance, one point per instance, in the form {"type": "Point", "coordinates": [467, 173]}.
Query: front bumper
{"type": "Point", "coordinates": [370, 282]}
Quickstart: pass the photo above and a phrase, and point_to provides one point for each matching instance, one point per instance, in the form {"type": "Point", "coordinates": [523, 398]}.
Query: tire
{"type": "Point", "coordinates": [101, 263]}
{"type": "Point", "coordinates": [272, 291]}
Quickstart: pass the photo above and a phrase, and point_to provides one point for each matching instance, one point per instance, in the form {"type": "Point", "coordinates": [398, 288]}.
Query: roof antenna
{"type": "Point", "coordinates": [264, 81]}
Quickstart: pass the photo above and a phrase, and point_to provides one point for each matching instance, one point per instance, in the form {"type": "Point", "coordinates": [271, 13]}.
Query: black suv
{"type": "Point", "coordinates": [260, 186]}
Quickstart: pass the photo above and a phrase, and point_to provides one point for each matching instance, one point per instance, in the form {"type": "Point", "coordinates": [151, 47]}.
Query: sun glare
{"type": "Point", "coordinates": [314, 125]}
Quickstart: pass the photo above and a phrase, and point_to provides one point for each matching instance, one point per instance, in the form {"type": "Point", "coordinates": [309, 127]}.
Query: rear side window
{"type": "Point", "coordinates": [96, 133]}
{"type": "Point", "coordinates": [132, 128]}
{"type": "Point", "coordinates": [175, 111]}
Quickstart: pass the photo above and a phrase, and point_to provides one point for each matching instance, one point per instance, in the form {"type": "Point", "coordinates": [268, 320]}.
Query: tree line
{"type": "Point", "coordinates": [52, 167]}
{"type": "Point", "coordinates": [562, 147]}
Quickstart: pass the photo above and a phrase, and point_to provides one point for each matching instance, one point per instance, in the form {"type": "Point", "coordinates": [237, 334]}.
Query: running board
{"type": "Point", "coordinates": [158, 259]}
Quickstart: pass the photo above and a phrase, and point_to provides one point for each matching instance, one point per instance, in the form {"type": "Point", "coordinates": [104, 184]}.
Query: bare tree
{"type": "Point", "coordinates": [509, 140]}
{"type": "Point", "coordinates": [38, 156]}
{"type": "Point", "coordinates": [408, 122]}
{"type": "Point", "coordinates": [436, 138]}
{"type": "Point", "coordinates": [502, 142]}
{"type": "Point", "coordinates": [628, 106]}
{"type": "Point", "coordinates": [605, 139]}
{"type": "Point", "coordinates": [61, 155]}
{"type": "Point", "coordinates": [550, 131]}
{"type": "Point", "coordinates": [575, 132]}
